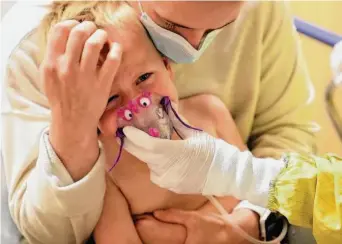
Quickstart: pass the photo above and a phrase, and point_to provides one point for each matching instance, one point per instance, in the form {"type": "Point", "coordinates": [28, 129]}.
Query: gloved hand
{"type": "Point", "coordinates": [202, 164]}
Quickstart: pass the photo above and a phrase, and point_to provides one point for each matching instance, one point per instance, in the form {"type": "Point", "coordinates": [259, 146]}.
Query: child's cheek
{"type": "Point", "coordinates": [108, 123]}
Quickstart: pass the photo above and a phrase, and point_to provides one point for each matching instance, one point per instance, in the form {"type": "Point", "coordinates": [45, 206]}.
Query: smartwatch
{"type": "Point", "coordinates": [270, 224]}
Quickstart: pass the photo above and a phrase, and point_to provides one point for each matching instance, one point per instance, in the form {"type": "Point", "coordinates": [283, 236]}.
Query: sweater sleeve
{"type": "Point", "coordinates": [46, 204]}
{"type": "Point", "coordinates": [283, 117]}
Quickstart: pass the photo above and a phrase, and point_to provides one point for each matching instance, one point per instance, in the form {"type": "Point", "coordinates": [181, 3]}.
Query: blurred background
{"type": "Point", "coordinates": [326, 14]}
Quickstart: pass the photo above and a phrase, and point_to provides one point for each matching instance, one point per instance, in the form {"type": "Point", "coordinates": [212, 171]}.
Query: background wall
{"type": "Point", "coordinates": [5, 6]}
{"type": "Point", "coordinates": [327, 14]}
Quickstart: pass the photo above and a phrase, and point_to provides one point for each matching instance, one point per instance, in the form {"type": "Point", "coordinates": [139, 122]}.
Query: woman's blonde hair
{"type": "Point", "coordinates": [103, 13]}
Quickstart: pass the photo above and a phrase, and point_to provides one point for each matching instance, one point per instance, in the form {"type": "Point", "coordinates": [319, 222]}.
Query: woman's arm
{"type": "Point", "coordinates": [308, 193]}
{"type": "Point", "coordinates": [44, 199]}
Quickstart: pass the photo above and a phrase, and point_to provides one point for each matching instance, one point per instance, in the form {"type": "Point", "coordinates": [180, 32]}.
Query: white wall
{"type": "Point", "coordinates": [5, 6]}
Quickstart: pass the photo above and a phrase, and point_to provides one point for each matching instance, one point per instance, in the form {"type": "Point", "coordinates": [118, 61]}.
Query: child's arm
{"type": "Point", "coordinates": [226, 130]}
{"type": "Point", "coordinates": [115, 224]}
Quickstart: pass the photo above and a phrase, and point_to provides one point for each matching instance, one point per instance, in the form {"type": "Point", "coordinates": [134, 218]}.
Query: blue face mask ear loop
{"type": "Point", "coordinates": [166, 103]}
{"type": "Point", "coordinates": [121, 136]}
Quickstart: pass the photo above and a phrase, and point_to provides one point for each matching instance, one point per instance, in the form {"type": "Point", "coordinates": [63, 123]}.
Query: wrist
{"type": "Point", "coordinates": [248, 220]}
{"type": "Point", "coordinates": [77, 149]}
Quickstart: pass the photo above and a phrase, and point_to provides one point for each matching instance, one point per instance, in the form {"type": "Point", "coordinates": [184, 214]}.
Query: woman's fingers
{"type": "Point", "coordinates": [111, 64]}
{"type": "Point", "coordinates": [77, 38]}
{"type": "Point", "coordinates": [174, 216]}
{"type": "Point", "coordinates": [92, 50]}
{"type": "Point", "coordinates": [152, 231]}
{"type": "Point", "coordinates": [58, 38]}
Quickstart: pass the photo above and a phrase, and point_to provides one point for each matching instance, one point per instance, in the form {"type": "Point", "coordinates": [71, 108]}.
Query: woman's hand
{"type": "Point", "coordinates": [201, 227]}
{"type": "Point", "coordinates": [77, 90]}
{"type": "Point", "coordinates": [247, 219]}
{"type": "Point", "coordinates": [153, 231]}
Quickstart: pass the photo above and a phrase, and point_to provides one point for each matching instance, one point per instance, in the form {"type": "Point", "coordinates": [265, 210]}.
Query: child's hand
{"type": "Point", "coordinates": [153, 231]}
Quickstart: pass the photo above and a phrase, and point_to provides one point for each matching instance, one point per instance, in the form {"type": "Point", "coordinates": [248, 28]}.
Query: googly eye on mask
{"type": "Point", "coordinates": [149, 113]}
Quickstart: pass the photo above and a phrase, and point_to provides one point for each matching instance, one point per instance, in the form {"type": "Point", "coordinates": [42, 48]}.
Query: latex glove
{"type": "Point", "coordinates": [202, 164]}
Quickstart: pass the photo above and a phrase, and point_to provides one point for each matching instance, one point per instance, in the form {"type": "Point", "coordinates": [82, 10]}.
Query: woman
{"type": "Point", "coordinates": [258, 50]}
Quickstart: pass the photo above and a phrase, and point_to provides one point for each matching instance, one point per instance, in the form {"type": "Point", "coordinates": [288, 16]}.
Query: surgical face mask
{"type": "Point", "coordinates": [172, 45]}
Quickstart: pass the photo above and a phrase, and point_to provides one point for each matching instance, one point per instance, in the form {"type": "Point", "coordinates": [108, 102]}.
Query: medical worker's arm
{"type": "Point", "coordinates": [45, 199]}
{"type": "Point", "coordinates": [308, 192]}
{"type": "Point", "coordinates": [283, 118]}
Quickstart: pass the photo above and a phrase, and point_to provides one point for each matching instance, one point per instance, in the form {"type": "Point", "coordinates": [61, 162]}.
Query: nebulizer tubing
{"type": "Point", "coordinates": [166, 104]}
{"type": "Point", "coordinates": [227, 219]}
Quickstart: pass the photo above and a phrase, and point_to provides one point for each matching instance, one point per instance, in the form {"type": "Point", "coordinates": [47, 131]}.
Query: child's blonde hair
{"type": "Point", "coordinates": [114, 13]}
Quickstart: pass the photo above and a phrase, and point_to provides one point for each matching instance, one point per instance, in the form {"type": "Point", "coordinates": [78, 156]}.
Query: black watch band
{"type": "Point", "coordinates": [274, 225]}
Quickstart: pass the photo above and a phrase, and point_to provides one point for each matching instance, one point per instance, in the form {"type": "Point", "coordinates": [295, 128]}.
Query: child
{"type": "Point", "coordinates": [129, 190]}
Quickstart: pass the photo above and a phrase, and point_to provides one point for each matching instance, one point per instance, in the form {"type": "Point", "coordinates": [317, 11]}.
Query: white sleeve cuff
{"type": "Point", "coordinates": [52, 190]}
{"type": "Point", "coordinates": [259, 210]}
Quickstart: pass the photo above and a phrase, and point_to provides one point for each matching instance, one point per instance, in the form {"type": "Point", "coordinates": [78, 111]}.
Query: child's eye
{"type": "Point", "coordinates": [143, 77]}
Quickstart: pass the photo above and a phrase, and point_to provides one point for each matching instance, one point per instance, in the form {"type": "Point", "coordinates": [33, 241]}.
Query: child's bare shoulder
{"type": "Point", "coordinates": [203, 111]}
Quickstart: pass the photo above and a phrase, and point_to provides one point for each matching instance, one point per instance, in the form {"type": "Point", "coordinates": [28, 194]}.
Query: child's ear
{"type": "Point", "coordinates": [168, 66]}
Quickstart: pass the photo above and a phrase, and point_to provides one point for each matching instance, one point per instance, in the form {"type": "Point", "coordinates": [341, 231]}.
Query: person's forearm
{"type": "Point", "coordinates": [77, 148]}
{"type": "Point", "coordinates": [46, 202]}
{"type": "Point", "coordinates": [248, 220]}
{"type": "Point", "coordinates": [115, 224]}
{"type": "Point", "coordinates": [239, 174]}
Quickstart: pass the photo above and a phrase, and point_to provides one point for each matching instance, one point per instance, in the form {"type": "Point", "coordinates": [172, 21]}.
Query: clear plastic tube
{"type": "Point", "coordinates": [237, 228]}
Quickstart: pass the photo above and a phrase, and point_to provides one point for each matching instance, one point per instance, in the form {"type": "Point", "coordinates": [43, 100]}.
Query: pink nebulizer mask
{"type": "Point", "coordinates": [149, 113]}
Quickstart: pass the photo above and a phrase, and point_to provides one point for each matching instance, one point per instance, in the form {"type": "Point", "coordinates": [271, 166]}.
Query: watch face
{"type": "Point", "coordinates": [274, 225]}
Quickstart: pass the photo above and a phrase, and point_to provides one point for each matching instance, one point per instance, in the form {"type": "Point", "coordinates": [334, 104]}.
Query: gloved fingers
{"type": "Point", "coordinates": [180, 124]}
{"type": "Point", "coordinates": [148, 143]}
{"type": "Point", "coordinates": [157, 163]}
{"type": "Point", "coordinates": [145, 156]}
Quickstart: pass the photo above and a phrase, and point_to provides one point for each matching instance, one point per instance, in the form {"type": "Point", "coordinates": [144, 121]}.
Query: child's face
{"type": "Point", "coordinates": [141, 69]}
